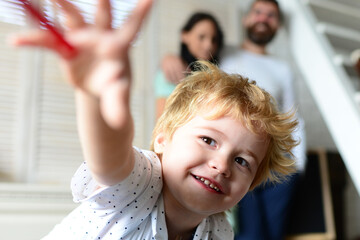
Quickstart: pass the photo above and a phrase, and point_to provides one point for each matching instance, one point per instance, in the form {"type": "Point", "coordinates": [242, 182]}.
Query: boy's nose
{"type": "Point", "coordinates": [221, 165]}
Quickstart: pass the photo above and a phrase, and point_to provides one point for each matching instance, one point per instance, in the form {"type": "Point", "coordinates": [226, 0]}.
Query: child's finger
{"type": "Point", "coordinates": [103, 17]}
{"type": "Point", "coordinates": [132, 25]}
{"type": "Point", "coordinates": [31, 38]}
{"type": "Point", "coordinates": [74, 19]}
{"type": "Point", "coordinates": [40, 38]}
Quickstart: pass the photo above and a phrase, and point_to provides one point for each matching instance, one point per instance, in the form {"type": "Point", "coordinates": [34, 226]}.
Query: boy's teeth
{"type": "Point", "coordinates": [207, 183]}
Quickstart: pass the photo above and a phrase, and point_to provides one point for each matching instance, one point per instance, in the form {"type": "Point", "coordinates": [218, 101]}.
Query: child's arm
{"type": "Point", "coordinates": [100, 73]}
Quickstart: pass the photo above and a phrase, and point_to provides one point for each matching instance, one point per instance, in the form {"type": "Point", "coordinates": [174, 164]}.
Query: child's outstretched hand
{"type": "Point", "coordinates": [101, 64]}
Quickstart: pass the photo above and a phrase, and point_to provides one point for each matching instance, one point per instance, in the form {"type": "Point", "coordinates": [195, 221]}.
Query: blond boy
{"type": "Point", "coordinates": [220, 135]}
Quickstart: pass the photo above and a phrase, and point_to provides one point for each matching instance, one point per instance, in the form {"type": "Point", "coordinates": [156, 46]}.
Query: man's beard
{"type": "Point", "coordinates": [260, 37]}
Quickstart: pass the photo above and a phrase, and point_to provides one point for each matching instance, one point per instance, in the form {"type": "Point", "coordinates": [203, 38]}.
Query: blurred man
{"type": "Point", "coordinates": [262, 214]}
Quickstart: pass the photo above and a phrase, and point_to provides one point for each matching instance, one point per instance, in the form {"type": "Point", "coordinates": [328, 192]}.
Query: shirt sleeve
{"type": "Point", "coordinates": [85, 188]}
{"type": "Point", "coordinates": [114, 211]}
{"type": "Point", "coordinates": [289, 103]}
{"type": "Point", "coordinates": [163, 88]}
{"type": "Point", "coordinates": [288, 90]}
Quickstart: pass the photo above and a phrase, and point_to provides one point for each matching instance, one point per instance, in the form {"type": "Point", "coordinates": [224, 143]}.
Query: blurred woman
{"type": "Point", "coordinates": [201, 39]}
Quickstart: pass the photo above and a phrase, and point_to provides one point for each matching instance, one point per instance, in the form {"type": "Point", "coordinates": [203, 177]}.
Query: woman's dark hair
{"type": "Point", "coordinates": [193, 20]}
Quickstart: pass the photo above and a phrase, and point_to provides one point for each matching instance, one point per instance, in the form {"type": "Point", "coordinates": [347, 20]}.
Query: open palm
{"type": "Point", "coordinates": [100, 66]}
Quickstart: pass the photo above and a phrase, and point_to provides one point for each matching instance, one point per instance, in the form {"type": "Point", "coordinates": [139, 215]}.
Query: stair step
{"type": "Point", "coordinates": [334, 29]}
{"type": "Point", "coordinates": [335, 12]}
{"type": "Point", "coordinates": [330, 85]}
{"type": "Point", "coordinates": [343, 58]}
{"type": "Point", "coordinates": [357, 98]}
{"type": "Point", "coordinates": [340, 37]}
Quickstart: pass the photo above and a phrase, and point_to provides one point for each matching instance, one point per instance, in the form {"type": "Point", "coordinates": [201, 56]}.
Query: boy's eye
{"type": "Point", "coordinates": [241, 161]}
{"type": "Point", "coordinates": [208, 141]}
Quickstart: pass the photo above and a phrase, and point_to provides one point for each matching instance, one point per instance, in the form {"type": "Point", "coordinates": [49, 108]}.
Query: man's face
{"type": "Point", "coordinates": [262, 22]}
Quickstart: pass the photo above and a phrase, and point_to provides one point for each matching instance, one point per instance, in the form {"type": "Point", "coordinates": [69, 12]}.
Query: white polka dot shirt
{"type": "Point", "coordinates": [131, 209]}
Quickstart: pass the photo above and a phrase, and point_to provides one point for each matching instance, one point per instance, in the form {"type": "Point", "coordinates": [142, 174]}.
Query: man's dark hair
{"type": "Point", "coordinates": [276, 3]}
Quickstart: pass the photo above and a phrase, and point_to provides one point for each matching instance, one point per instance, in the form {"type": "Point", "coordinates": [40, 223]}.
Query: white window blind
{"type": "Point", "coordinates": [38, 135]}
{"type": "Point", "coordinates": [11, 12]}
{"type": "Point", "coordinates": [9, 85]}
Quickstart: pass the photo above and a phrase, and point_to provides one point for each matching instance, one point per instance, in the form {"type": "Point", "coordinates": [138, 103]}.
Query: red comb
{"type": "Point", "coordinates": [43, 21]}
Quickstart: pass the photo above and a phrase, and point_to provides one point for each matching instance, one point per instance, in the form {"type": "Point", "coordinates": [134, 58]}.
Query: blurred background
{"type": "Point", "coordinates": [39, 146]}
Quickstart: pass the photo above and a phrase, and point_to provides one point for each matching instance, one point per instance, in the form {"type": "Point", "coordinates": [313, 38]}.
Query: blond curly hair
{"type": "Point", "coordinates": [233, 95]}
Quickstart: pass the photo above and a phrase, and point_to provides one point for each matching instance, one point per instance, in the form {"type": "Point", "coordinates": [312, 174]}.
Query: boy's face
{"type": "Point", "coordinates": [209, 165]}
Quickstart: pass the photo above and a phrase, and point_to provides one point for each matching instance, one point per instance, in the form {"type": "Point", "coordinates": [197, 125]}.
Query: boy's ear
{"type": "Point", "coordinates": [159, 143]}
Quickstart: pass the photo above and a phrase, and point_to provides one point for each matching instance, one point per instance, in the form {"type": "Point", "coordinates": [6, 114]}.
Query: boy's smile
{"type": "Point", "coordinates": [209, 165]}
{"type": "Point", "coordinates": [209, 184]}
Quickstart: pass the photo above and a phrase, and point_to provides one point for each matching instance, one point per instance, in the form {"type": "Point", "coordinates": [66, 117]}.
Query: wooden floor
{"type": "Point", "coordinates": [311, 236]}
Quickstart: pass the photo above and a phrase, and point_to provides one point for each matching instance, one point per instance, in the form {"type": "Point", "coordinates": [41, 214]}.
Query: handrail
{"type": "Point", "coordinates": [329, 85]}
{"type": "Point", "coordinates": [336, 7]}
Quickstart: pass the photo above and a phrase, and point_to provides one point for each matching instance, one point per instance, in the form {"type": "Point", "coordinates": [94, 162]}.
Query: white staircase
{"type": "Point", "coordinates": [323, 33]}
